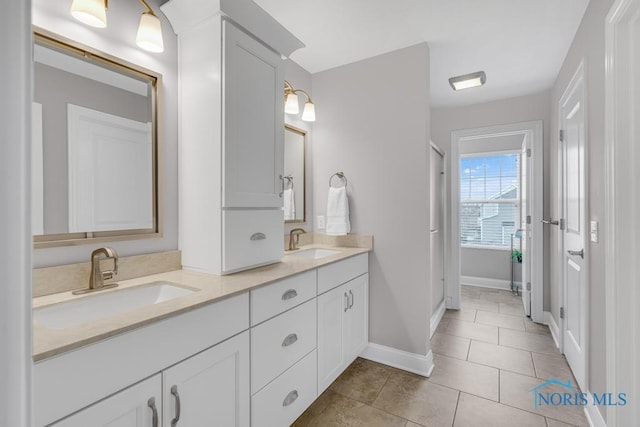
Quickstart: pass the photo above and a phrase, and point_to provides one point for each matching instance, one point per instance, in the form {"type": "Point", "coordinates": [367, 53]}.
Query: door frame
{"type": "Point", "coordinates": [436, 316]}
{"type": "Point", "coordinates": [532, 130]}
{"type": "Point", "coordinates": [579, 77]}
{"type": "Point", "coordinates": [15, 217]}
{"type": "Point", "coordinates": [621, 228]}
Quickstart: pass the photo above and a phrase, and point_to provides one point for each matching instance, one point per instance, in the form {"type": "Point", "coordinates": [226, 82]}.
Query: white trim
{"type": "Point", "coordinates": [491, 248]}
{"type": "Point", "coordinates": [534, 130]}
{"type": "Point", "coordinates": [436, 317]}
{"type": "Point", "coordinates": [410, 362]}
{"type": "Point", "coordinates": [621, 228]}
{"type": "Point", "coordinates": [486, 282]}
{"type": "Point", "coordinates": [555, 330]}
{"type": "Point", "coordinates": [15, 215]}
{"type": "Point", "coordinates": [593, 415]}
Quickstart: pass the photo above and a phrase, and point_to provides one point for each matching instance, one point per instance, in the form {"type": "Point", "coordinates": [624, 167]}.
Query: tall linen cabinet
{"type": "Point", "coordinates": [231, 130]}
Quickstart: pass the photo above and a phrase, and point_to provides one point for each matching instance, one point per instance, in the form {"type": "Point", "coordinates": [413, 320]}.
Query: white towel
{"type": "Point", "coordinates": [337, 223]}
{"type": "Point", "coordinates": [289, 204]}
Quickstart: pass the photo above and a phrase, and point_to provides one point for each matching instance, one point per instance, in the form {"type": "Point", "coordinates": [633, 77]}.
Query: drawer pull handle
{"type": "Point", "coordinates": [346, 298]}
{"type": "Point", "coordinates": [151, 403]}
{"type": "Point", "coordinates": [291, 293]}
{"type": "Point", "coordinates": [258, 236]}
{"type": "Point", "coordinates": [174, 392]}
{"type": "Point", "coordinates": [351, 294]}
{"type": "Point", "coordinates": [290, 339]}
{"type": "Point", "coordinates": [291, 397]}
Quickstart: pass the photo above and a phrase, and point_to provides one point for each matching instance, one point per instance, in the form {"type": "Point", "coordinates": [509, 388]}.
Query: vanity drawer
{"type": "Point", "coordinates": [281, 342]}
{"type": "Point", "coordinates": [332, 275]}
{"type": "Point", "coordinates": [251, 238]}
{"type": "Point", "coordinates": [280, 296]}
{"type": "Point", "coordinates": [286, 398]}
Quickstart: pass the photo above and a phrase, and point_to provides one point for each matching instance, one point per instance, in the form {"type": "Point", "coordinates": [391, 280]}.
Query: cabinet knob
{"type": "Point", "coordinates": [291, 397]}
{"type": "Point", "coordinates": [290, 339]}
{"type": "Point", "coordinates": [291, 293]}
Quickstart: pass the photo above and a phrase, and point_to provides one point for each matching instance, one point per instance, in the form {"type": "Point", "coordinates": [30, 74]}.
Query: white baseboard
{"type": "Point", "coordinates": [486, 282]}
{"type": "Point", "coordinates": [594, 417]}
{"type": "Point", "coordinates": [411, 362]}
{"type": "Point", "coordinates": [553, 327]}
{"type": "Point", "coordinates": [436, 317]}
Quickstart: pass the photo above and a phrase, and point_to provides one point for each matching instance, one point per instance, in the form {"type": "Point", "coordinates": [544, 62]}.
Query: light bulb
{"type": "Point", "coordinates": [309, 112]}
{"type": "Point", "coordinates": [90, 12]}
{"type": "Point", "coordinates": [291, 105]}
{"type": "Point", "coordinates": [150, 33]}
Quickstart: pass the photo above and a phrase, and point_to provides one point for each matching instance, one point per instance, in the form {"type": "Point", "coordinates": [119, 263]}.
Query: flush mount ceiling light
{"type": "Point", "coordinates": [94, 13]}
{"type": "Point", "coordinates": [291, 105]}
{"type": "Point", "coordinates": [468, 80]}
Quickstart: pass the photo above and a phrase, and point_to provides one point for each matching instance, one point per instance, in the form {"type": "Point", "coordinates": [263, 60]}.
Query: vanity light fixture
{"type": "Point", "coordinates": [94, 13]}
{"type": "Point", "coordinates": [291, 103]}
{"type": "Point", "coordinates": [468, 80]}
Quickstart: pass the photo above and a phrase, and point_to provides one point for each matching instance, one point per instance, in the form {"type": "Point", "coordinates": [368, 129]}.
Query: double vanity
{"type": "Point", "coordinates": [231, 330]}
{"type": "Point", "coordinates": [184, 348]}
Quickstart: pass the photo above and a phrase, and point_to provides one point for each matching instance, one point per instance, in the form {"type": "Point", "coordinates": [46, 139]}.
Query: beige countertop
{"type": "Point", "coordinates": [211, 288]}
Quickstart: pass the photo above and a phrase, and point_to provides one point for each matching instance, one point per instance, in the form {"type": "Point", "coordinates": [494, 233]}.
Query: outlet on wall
{"type": "Point", "coordinates": [320, 222]}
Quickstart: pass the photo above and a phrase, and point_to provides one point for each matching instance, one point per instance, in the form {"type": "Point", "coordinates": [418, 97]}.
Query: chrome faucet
{"type": "Point", "coordinates": [294, 238]}
{"type": "Point", "coordinates": [97, 277]}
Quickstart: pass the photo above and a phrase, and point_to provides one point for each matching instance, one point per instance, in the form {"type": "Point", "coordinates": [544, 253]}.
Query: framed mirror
{"type": "Point", "coordinates": [294, 174]}
{"type": "Point", "coordinates": [95, 146]}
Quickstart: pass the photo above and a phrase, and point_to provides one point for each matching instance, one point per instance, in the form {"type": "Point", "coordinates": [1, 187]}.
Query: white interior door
{"type": "Point", "coordinates": [525, 222]}
{"type": "Point", "coordinates": [572, 122]}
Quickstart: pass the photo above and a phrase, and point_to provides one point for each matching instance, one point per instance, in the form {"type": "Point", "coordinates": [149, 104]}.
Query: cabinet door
{"type": "Point", "coordinates": [136, 406]}
{"type": "Point", "coordinates": [211, 388]}
{"type": "Point", "coordinates": [356, 335]}
{"type": "Point", "coordinates": [253, 135]}
{"type": "Point", "coordinates": [332, 308]}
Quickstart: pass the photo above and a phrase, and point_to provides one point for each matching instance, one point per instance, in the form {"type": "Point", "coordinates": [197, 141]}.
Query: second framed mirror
{"type": "Point", "coordinates": [295, 141]}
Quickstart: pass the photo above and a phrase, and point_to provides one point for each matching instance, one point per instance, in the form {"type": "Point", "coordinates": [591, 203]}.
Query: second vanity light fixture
{"type": "Point", "coordinates": [94, 13]}
{"type": "Point", "coordinates": [291, 105]}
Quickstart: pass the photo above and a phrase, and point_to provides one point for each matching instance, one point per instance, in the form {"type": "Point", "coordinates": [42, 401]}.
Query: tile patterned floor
{"type": "Point", "coordinates": [488, 356]}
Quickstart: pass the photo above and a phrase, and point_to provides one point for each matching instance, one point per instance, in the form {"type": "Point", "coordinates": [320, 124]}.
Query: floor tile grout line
{"type": "Point", "coordinates": [455, 412]}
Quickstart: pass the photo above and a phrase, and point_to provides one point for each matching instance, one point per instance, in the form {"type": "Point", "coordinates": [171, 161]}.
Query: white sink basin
{"type": "Point", "coordinates": [315, 253]}
{"type": "Point", "coordinates": [100, 306]}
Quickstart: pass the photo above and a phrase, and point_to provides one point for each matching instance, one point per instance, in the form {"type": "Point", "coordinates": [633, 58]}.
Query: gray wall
{"type": "Point", "coordinates": [119, 40]}
{"type": "Point", "coordinates": [378, 136]}
{"type": "Point", "coordinates": [513, 110]}
{"type": "Point", "coordinates": [589, 44]}
{"type": "Point", "coordinates": [54, 89]}
{"type": "Point", "coordinates": [301, 79]}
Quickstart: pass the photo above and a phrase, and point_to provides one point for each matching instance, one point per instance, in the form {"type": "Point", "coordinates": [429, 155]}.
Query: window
{"type": "Point", "coordinates": [489, 199]}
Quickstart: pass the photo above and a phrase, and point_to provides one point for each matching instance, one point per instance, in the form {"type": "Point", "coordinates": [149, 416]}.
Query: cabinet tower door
{"type": "Point", "coordinates": [253, 134]}
{"type": "Point", "coordinates": [356, 334]}
{"type": "Point", "coordinates": [332, 308]}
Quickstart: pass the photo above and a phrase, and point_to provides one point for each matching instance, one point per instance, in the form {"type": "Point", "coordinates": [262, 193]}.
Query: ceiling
{"type": "Point", "coordinates": [520, 44]}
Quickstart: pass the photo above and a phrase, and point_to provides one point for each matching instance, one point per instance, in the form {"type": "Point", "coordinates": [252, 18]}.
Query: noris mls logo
{"type": "Point", "coordinates": [570, 396]}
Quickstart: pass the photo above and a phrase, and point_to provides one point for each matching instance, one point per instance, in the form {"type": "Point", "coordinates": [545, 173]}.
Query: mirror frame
{"type": "Point", "coordinates": [71, 47]}
{"type": "Point", "coordinates": [303, 133]}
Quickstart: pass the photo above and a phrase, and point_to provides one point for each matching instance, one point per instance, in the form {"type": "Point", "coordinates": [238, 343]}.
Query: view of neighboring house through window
{"type": "Point", "coordinates": [489, 199]}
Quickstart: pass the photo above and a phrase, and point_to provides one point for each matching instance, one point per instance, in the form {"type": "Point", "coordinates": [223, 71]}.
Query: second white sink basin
{"type": "Point", "coordinates": [100, 306]}
{"type": "Point", "coordinates": [314, 253]}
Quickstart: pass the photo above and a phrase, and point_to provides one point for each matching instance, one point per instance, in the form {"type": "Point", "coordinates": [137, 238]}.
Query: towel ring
{"type": "Point", "coordinates": [289, 179]}
{"type": "Point", "coordinates": [341, 176]}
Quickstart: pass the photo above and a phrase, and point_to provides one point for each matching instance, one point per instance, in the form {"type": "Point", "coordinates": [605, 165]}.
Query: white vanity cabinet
{"type": "Point", "coordinates": [213, 385]}
{"type": "Point", "coordinates": [137, 406]}
{"type": "Point", "coordinates": [231, 122]}
{"type": "Point", "coordinates": [343, 330]}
